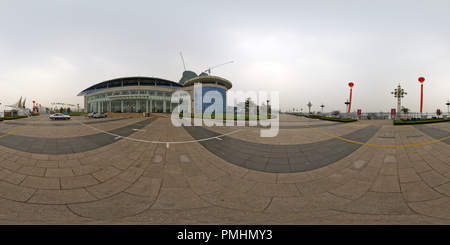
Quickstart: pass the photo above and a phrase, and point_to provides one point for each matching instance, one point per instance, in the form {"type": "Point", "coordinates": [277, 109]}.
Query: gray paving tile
{"type": "Point", "coordinates": [320, 153]}
{"type": "Point", "coordinates": [374, 185]}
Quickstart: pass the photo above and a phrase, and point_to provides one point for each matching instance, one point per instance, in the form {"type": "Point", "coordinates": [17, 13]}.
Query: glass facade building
{"type": "Point", "coordinates": [149, 94]}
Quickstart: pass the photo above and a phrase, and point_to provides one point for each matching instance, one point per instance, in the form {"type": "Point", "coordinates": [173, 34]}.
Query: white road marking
{"type": "Point", "coordinates": [161, 142]}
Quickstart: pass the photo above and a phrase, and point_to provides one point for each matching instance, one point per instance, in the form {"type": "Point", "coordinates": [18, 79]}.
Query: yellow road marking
{"type": "Point", "coordinates": [21, 128]}
{"type": "Point", "coordinates": [361, 143]}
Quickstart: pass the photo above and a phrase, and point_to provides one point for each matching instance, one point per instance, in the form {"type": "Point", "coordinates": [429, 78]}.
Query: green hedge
{"type": "Point", "coordinates": [11, 118]}
{"type": "Point", "coordinates": [409, 122]}
{"type": "Point", "coordinates": [345, 120]}
{"type": "Point", "coordinates": [76, 113]}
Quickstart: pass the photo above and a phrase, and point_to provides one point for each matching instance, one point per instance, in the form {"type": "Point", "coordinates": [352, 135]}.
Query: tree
{"type": "Point", "coordinates": [263, 108]}
{"type": "Point", "coordinates": [335, 113]}
{"type": "Point", "coordinates": [309, 106]}
{"type": "Point", "coordinates": [405, 110]}
{"type": "Point", "coordinates": [249, 105]}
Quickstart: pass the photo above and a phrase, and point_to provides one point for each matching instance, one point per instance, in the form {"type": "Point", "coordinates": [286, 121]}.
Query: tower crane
{"type": "Point", "coordinates": [184, 75]}
{"type": "Point", "coordinates": [209, 70]}
{"type": "Point", "coordinates": [183, 61]}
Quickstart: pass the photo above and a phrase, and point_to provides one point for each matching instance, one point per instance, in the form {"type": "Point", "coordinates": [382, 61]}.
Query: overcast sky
{"type": "Point", "coordinates": [306, 50]}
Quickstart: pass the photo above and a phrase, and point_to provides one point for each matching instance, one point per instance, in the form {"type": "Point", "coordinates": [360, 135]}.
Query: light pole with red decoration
{"type": "Point", "coordinates": [350, 84]}
{"type": "Point", "coordinates": [421, 80]}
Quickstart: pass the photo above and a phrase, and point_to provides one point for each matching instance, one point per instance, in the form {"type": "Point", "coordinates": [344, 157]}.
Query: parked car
{"type": "Point", "coordinates": [91, 114]}
{"type": "Point", "coordinates": [99, 115]}
{"type": "Point", "coordinates": [59, 116]}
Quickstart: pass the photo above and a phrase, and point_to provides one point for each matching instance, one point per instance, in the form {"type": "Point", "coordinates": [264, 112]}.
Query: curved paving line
{"type": "Point", "coordinates": [368, 144]}
{"type": "Point", "coordinates": [1, 136]}
{"type": "Point", "coordinates": [66, 123]}
{"type": "Point", "coordinates": [438, 134]}
{"type": "Point", "coordinates": [282, 158]}
{"type": "Point", "coordinates": [55, 146]}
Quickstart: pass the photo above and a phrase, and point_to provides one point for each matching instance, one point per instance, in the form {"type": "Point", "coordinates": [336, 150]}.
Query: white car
{"type": "Point", "coordinates": [59, 116]}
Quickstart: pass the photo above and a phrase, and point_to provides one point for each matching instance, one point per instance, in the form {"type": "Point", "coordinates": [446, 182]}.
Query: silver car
{"type": "Point", "coordinates": [59, 116]}
{"type": "Point", "coordinates": [99, 115]}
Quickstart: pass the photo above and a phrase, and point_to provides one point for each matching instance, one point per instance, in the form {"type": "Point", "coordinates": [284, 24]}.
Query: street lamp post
{"type": "Point", "coordinates": [399, 93]}
{"type": "Point", "coordinates": [322, 108]}
{"type": "Point", "coordinates": [309, 106]}
{"type": "Point", "coordinates": [448, 103]}
{"type": "Point", "coordinates": [346, 108]}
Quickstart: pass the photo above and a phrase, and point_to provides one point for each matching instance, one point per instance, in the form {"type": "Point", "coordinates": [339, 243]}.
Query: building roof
{"type": "Point", "coordinates": [130, 81]}
{"type": "Point", "coordinates": [209, 79]}
{"type": "Point", "coordinates": [150, 81]}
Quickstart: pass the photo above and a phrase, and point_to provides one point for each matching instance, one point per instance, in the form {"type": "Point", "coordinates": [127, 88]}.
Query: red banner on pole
{"type": "Point", "coordinates": [350, 105]}
{"type": "Point", "coordinates": [350, 84]}
{"type": "Point", "coordinates": [393, 113]}
{"type": "Point", "coordinates": [421, 97]}
{"type": "Point", "coordinates": [359, 112]}
{"type": "Point", "coordinates": [421, 80]}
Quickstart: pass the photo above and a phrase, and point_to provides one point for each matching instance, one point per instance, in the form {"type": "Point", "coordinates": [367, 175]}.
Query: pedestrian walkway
{"type": "Point", "coordinates": [147, 171]}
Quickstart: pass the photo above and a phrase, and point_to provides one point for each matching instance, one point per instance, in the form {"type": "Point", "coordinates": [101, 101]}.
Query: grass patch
{"type": "Point", "coordinates": [345, 120]}
{"type": "Point", "coordinates": [410, 122]}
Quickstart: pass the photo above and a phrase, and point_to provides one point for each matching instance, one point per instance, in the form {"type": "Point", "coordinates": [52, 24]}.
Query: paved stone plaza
{"type": "Point", "coordinates": [145, 170]}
